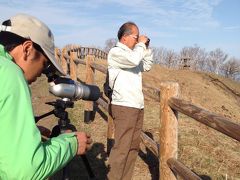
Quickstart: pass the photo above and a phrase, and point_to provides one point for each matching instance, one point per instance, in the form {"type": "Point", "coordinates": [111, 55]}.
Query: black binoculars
{"type": "Point", "coordinates": [147, 42]}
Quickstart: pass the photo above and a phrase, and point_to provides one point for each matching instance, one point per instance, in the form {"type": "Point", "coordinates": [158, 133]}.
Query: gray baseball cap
{"type": "Point", "coordinates": [32, 28]}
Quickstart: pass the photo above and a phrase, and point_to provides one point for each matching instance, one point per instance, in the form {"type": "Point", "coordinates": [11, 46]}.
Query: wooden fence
{"type": "Point", "coordinates": [170, 105]}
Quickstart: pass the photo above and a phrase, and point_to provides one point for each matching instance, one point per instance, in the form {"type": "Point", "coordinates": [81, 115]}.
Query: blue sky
{"type": "Point", "coordinates": [172, 24]}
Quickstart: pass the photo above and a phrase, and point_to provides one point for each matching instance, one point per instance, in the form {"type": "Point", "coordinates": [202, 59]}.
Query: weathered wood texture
{"type": "Point", "coordinates": [80, 61]}
{"type": "Point", "coordinates": [102, 103]}
{"type": "Point", "coordinates": [150, 144]}
{"type": "Point", "coordinates": [151, 92]}
{"type": "Point", "coordinates": [110, 129]}
{"type": "Point", "coordinates": [181, 170]}
{"type": "Point", "coordinates": [110, 133]}
{"type": "Point", "coordinates": [57, 55]}
{"type": "Point", "coordinates": [64, 61]}
{"type": "Point", "coordinates": [89, 79]}
{"type": "Point", "coordinates": [217, 122]}
{"type": "Point", "coordinates": [73, 66]}
{"type": "Point", "coordinates": [99, 67]}
{"type": "Point", "coordinates": [168, 129]}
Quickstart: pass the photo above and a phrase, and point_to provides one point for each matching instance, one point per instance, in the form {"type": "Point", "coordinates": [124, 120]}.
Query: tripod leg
{"type": "Point", "coordinates": [65, 173]}
{"type": "Point", "coordinates": [87, 165]}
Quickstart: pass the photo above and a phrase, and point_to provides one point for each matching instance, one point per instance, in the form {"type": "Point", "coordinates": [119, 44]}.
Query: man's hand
{"type": "Point", "coordinates": [143, 39]}
{"type": "Point", "coordinates": [84, 142]}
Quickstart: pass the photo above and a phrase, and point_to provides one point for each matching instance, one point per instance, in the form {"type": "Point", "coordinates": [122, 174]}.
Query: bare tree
{"type": "Point", "coordinates": [231, 68]}
{"type": "Point", "coordinates": [193, 57]}
{"type": "Point", "coordinates": [110, 43]}
{"type": "Point", "coordinates": [159, 55]}
{"type": "Point", "coordinates": [165, 57]}
{"type": "Point", "coordinates": [216, 59]}
{"type": "Point", "coordinates": [171, 59]}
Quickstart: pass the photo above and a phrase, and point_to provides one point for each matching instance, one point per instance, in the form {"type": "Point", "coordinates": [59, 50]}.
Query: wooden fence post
{"type": "Point", "coordinates": [56, 53]}
{"type": "Point", "coordinates": [168, 129]}
{"type": "Point", "coordinates": [110, 131]}
{"type": "Point", "coordinates": [73, 66]}
{"type": "Point", "coordinates": [88, 112]}
{"type": "Point", "coordinates": [64, 61]}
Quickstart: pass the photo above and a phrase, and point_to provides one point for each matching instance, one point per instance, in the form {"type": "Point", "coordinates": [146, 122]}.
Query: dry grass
{"type": "Point", "coordinates": [202, 149]}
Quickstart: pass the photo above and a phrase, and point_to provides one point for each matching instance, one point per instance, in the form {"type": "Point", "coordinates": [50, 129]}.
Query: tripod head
{"type": "Point", "coordinates": [60, 106]}
{"type": "Point", "coordinates": [61, 103]}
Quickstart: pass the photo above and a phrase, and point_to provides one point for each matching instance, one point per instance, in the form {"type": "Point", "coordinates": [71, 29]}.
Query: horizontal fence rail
{"type": "Point", "coordinates": [82, 52]}
{"type": "Point", "coordinates": [167, 95]}
{"type": "Point", "coordinates": [217, 122]}
{"type": "Point", "coordinates": [150, 144]}
{"type": "Point", "coordinates": [181, 170]}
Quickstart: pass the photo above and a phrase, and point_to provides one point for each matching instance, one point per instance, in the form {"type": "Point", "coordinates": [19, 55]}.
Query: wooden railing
{"type": "Point", "coordinates": [170, 105]}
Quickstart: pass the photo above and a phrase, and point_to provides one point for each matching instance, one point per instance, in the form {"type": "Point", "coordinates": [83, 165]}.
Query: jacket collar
{"type": "Point", "coordinates": [4, 53]}
{"type": "Point", "coordinates": [123, 46]}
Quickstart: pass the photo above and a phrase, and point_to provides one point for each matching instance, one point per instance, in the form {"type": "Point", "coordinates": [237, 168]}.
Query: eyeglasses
{"type": "Point", "coordinates": [134, 36]}
{"type": "Point", "coordinates": [47, 64]}
{"type": "Point", "coordinates": [48, 68]}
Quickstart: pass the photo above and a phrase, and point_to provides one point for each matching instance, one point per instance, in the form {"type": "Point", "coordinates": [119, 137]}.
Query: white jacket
{"type": "Point", "coordinates": [125, 67]}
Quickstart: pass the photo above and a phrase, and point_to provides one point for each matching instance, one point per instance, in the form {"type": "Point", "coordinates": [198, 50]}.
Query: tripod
{"type": "Point", "coordinates": [59, 111]}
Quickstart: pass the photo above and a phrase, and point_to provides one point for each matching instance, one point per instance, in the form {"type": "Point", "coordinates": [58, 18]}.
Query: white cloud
{"type": "Point", "coordinates": [232, 28]}
{"type": "Point", "coordinates": [166, 13]}
{"type": "Point", "coordinates": [94, 21]}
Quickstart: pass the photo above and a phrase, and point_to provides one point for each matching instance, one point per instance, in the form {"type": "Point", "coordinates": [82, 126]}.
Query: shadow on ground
{"type": "Point", "coordinates": [77, 169]}
{"type": "Point", "coordinates": [151, 160]}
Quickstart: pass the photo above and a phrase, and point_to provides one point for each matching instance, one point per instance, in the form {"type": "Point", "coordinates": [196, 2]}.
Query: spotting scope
{"type": "Point", "coordinates": [65, 87]}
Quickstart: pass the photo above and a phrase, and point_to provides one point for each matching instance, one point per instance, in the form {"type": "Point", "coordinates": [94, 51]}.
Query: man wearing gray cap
{"type": "Point", "coordinates": [26, 49]}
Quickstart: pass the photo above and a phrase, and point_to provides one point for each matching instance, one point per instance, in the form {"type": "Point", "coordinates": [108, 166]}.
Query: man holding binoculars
{"type": "Point", "coordinates": [126, 62]}
{"type": "Point", "coordinates": [26, 49]}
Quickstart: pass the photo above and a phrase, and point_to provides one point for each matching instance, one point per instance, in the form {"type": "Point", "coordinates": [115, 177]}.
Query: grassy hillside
{"type": "Point", "coordinates": [202, 149]}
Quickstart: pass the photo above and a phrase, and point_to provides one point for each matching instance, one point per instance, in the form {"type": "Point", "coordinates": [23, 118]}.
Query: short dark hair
{"type": "Point", "coordinates": [125, 29]}
{"type": "Point", "coordinates": [10, 41]}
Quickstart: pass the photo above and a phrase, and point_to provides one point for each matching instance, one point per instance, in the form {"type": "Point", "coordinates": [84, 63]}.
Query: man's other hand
{"type": "Point", "coordinates": [84, 142]}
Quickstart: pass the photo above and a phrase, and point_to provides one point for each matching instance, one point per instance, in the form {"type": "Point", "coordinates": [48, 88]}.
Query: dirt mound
{"type": "Point", "coordinates": [212, 92]}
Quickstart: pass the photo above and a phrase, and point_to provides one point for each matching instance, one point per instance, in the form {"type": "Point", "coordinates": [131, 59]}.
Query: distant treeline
{"type": "Point", "coordinates": [194, 58]}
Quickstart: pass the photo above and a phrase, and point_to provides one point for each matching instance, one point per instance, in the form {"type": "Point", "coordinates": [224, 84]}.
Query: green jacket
{"type": "Point", "coordinates": [22, 153]}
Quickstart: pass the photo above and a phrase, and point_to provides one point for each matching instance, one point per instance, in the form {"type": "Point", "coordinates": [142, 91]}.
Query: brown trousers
{"type": "Point", "coordinates": [128, 124]}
